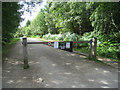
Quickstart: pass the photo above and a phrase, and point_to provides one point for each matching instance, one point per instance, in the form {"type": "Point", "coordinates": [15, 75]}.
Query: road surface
{"type": "Point", "coordinates": [55, 68]}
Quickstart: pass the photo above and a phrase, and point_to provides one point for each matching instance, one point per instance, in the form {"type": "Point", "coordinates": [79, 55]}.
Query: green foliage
{"type": "Point", "coordinates": [53, 36]}
{"type": "Point", "coordinates": [107, 45]}
{"type": "Point", "coordinates": [38, 25]}
{"type": "Point", "coordinates": [65, 37]}
{"type": "Point", "coordinates": [28, 23]}
{"type": "Point", "coordinates": [10, 19]}
{"type": "Point", "coordinates": [105, 17]}
{"type": "Point", "coordinates": [6, 47]}
{"type": "Point", "coordinates": [83, 49]}
{"type": "Point", "coordinates": [108, 49]}
{"type": "Point", "coordinates": [67, 17]}
{"type": "Point", "coordinates": [23, 31]}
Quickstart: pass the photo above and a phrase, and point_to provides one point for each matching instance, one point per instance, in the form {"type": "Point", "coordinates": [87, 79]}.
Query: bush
{"type": "Point", "coordinates": [65, 37]}
{"type": "Point", "coordinates": [107, 45]}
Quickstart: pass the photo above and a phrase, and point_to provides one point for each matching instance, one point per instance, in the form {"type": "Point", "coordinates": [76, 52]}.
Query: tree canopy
{"type": "Point", "coordinates": [60, 17]}
{"type": "Point", "coordinates": [10, 19]}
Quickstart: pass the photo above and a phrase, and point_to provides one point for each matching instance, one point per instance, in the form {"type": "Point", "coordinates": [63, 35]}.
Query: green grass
{"type": "Point", "coordinates": [86, 51]}
{"type": "Point", "coordinates": [7, 46]}
{"type": "Point", "coordinates": [34, 36]}
{"type": "Point", "coordinates": [41, 39]}
{"type": "Point", "coordinates": [82, 50]}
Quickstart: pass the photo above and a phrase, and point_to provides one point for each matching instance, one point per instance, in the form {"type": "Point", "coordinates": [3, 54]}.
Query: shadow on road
{"type": "Point", "coordinates": [54, 68]}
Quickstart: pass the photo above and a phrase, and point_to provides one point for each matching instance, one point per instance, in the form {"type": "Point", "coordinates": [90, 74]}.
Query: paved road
{"type": "Point", "coordinates": [57, 68]}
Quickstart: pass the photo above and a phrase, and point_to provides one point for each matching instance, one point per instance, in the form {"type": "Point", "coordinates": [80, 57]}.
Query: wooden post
{"type": "Point", "coordinates": [25, 53]}
{"type": "Point", "coordinates": [71, 47]}
{"type": "Point", "coordinates": [95, 47]}
{"type": "Point", "coordinates": [90, 51]}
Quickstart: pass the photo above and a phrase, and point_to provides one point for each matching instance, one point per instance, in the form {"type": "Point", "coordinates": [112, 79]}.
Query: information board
{"type": "Point", "coordinates": [67, 44]}
{"type": "Point", "coordinates": [56, 44]}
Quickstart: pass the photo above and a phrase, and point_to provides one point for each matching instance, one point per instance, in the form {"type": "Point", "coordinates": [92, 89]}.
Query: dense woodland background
{"type": "Point", "coordinates": [69, 21]}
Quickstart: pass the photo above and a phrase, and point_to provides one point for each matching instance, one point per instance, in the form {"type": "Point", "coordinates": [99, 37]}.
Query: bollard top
{"type": "Point", "coordinates": [24, 38]}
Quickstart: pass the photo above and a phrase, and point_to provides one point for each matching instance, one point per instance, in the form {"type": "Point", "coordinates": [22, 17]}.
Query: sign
{"type": "Point", "coordinates": [56, 44]}
{"type": "Point", "coordinates": [62, 47]}
{"type": "Point", "coordinates": [67, 44]}
{"type": "Point", "coordinates": [49, 43]}
{"type": "Point", "coordinates": [43, 42]}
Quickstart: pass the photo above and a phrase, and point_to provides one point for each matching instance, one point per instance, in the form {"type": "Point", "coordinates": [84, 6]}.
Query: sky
{"type": "Point", "coordinates": [27, 16]}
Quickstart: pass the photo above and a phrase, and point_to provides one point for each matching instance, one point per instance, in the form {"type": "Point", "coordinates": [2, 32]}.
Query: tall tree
{"type": "Point", "coordinates": [10, 19]}
{"type": "Point", "coordinates": [68, 17]}
{"type": "Point", "coordinates": [105, 17]}
{"type": "Point", "coordinates": [28, 23]}
{"type": "Point", "coordinates": [38, 25]}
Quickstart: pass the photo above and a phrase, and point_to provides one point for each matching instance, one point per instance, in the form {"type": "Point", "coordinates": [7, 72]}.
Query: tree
{"type": "Point", "coordinates": [28, 23]}
{"type": "Point", "coordinates": [38, 25]}
{"type": "Point", "coordinates": [50, 19]}
{"type": "Point", "coordinates": [68, 17]}
{"type": "Point", "coordinates": [10, 19]}
{"type": "Point", "coordinates": [105, 18]}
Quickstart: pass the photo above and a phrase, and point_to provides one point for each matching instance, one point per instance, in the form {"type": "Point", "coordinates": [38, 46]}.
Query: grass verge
{"type": "Point", "coordinates": [6, 47]}
{"type": "Point", "coordinates": [82, 50]}
{"type": "Point", "coordinates": [86, 51]}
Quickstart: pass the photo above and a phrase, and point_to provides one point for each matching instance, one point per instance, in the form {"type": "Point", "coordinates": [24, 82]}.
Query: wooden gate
{"type": "Point", "coordinates": [92, 48]}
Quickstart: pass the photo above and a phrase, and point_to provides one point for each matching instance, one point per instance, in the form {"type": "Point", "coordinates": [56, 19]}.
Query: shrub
{"type": "Point", "coordinates": [107, 45]}
{"type": "Point", "coordinates": [65, 37]}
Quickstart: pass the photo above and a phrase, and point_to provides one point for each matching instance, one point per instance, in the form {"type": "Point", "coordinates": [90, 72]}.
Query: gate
{"type": "Point", "coordinates": [66, 45]}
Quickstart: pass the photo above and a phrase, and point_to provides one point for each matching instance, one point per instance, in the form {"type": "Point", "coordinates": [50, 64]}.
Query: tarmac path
{"type": "Point", "coordinates": [54, 68]}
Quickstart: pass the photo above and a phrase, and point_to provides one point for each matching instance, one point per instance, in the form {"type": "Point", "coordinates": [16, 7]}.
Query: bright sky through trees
{"type": "Point", "coordinates": [27, 16]}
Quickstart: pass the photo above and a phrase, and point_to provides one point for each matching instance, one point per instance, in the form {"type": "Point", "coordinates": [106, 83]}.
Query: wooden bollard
{"type": "Point", "coordinates": [71, 47]}
{"type": "Point", "coordinates": [25, 53]}
{"type": "Point", "coordinates": [90, 51]}
{"type": "Point", "coordinates": [95, 47]}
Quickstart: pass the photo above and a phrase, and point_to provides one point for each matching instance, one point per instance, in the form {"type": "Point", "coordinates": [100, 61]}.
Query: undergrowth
{"type": "Point", "coordinates": [5, 48]}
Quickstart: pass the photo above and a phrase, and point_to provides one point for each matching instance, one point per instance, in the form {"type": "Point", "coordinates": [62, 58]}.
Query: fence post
{"type": "Point", "coordinates": [90, 51]}
{"type": "Point", "coordinates": [71, 46]}
{"type": "Point", "coordinates": [95, 47]}
{"type": "Point", "coordinates": [25, 53]}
